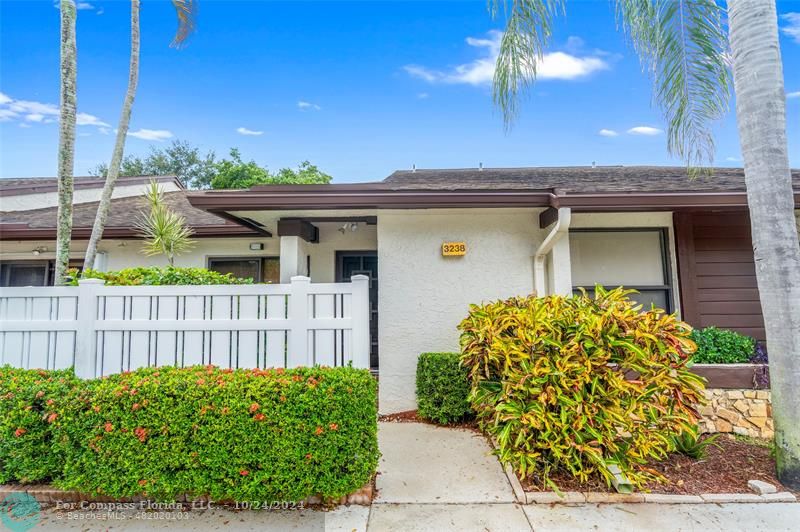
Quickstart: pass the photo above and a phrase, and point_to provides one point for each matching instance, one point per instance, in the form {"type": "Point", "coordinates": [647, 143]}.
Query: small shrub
{"type": "Point", "coordinates": [28, 401]}
{"type": "Point", "coordinates": [551, 381]}
{"type": "Point", "coordinates": [721, 346]}
{"type": "Point", "coordinates": [243, 435]}
{"type": "Point", "coordinates": [690, 443]}
{"type": "Point", "coordinates": [161, 276]}
{"type": "Point", "coordinates": [442, 388]}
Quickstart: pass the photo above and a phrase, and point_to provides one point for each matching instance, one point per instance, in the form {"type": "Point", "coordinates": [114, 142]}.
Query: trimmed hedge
{"type": "Point", "coordinates": [28, 400]}
{"type": "Point", "coordinates": [238, 435]}
{"type": "Point", "coordinates": [442, 388]}
{"type": "Point", "coordinates": [155, 276]}
{"type": "Point", "coordinates": [721, 346]}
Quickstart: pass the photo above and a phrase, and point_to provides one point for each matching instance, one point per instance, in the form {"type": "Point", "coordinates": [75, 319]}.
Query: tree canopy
{"type": "Point", "coordinates": [203, 170]}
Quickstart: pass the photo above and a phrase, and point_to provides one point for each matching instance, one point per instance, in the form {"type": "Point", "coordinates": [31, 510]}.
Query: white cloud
{"type": "Point", "coordinates": [104, 130]}
{"type": "Point", "coordinates": [85, 119]}
{"type": "Point", "coordinates": [250, 132]}
{"type": "Point", "coordinates": [644, 130]}
{"type": "Point", "coordinates": [423, 96]}
{"type": "Point", "coordinates": [553, 65]}
{"type": "Point", "coordinates": [795, 94]}
{"type": "Point", "coordinates": [80, 6]}
{"type": "Point", "coordinates": [158, 135]}
{"type": "Point", "coordinates": [7, 115]}
{"type": "Point", "coordinates": [305, 106]}
{"type": "Point", "coordinates": [792, 29]}
{"type": "Point", "coordinates": [40, 112]}
{"type": "Point", "coordinates": [23, 124]}
{"type": "Point", "coordinates": [733, 159]}
{"type": "Point", "coordinates": [607, 133]}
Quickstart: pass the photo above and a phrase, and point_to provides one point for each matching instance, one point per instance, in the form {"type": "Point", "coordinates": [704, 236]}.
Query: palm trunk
{"type": "Point", "coordinates": [119, 145]}
{"type": "Point", "coordinates": [66, 138]}
{"type": "Point", "coordinates": [761, 117]}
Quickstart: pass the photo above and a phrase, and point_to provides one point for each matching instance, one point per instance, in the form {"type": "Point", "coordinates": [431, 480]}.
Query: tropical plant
{"type": "Point", "coordinates": [66, 137]}
{"type": "Point", "coordinates": [721, 346]}
{"type": "Point", "coordinates": [442, 388]}
{"type": "Point", "coordinates": [685, 48]}
{"type": "Point", "coordinates": [691, 444]}
{"type": "Point", "coordinates": [185, 12]}
{"type": "Point", "coordinates": [583, 385]}
{"type": "Point", "coordinates": [154, 276]}
{"type": "Point", "coordinates": [164, 231]}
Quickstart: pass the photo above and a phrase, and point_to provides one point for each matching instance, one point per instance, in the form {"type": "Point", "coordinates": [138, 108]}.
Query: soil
{"type": "Point", "coordinates": [411, 416]}
{"type": "Point", "coordinates": [726, 469]}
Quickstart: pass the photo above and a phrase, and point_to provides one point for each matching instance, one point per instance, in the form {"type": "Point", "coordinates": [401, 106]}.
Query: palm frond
{"type": "Point", "coordinates": [164, 231]}
{"type": "Point", "coordinates": [186, 10]}
{"type": "Point", "coordinates": [683, 45]}
{"type": "Point", "coordinates": [528, 28]}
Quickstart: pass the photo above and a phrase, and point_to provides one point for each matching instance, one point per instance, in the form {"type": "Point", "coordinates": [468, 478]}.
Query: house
{"type": "Point", "coordinates": [434, 241]}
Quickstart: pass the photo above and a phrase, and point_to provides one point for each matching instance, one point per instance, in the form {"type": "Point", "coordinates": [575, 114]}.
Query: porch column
{"type": "Point", "coordinates": [293, 258]}
{"type": "Point", "coordinates": [561, 267]}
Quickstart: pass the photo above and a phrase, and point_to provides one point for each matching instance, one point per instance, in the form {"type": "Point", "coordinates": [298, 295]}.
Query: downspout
{"type": "Point", "coordinates": [560, 229]}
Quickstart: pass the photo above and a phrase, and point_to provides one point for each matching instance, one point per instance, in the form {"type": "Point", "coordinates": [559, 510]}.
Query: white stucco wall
{"type": "Point", "coordinates": [42, 200]}
{"type": "Point", "coordinates": [126, 253]}
{"type": "Point", "coordinates": [424, 296]}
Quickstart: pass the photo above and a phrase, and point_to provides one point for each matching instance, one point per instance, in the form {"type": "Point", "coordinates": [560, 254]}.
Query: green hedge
{"type": "Point", "coordinates": [28, 400]}
{"type": "Point", "coordinates": [721, 346]}
{"type": "Point", "coordinates": [232, 435]}
{"type": "Point", "coordinates": [159, 276]}
{"type": "Point", "coordinates": [442, 388]}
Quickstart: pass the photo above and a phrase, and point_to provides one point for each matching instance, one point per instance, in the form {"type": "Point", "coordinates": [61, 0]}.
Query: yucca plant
{"type": "Point", "coordinates": [580, 384]}
{"type": "Point", "coordinates": [164, 231]}
{"type": "Point", "coordinates": [690, 444]}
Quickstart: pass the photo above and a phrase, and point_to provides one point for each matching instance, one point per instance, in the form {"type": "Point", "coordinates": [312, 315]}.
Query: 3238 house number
{"type": "Point", "coordinates": [454, 249]}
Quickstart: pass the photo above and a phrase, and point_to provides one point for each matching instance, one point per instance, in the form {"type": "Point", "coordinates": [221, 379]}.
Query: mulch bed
{"type": "Point", "coordinates": [726, 470]}
{"type": "Point", "coordinates": [411, 416]}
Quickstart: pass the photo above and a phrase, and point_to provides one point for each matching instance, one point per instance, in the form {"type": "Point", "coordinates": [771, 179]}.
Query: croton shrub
{"type": "Point", "coordinates": [239, 435]}
{"type": "Point", "coordinates": [155, 276]}
{"type": "Point", "coordinates": [548, 382]}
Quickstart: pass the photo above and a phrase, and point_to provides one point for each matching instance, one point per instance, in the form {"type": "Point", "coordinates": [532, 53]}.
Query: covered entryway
{"type": "Point", "coordinates": [349, 263]}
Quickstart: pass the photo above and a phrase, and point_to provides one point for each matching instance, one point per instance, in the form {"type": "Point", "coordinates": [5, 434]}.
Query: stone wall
{"type": "Point", "coordinates": [745, 412]}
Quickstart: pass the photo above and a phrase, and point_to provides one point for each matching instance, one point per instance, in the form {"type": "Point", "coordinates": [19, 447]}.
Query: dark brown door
{"type": "Point", "coordinates": [349, 263]}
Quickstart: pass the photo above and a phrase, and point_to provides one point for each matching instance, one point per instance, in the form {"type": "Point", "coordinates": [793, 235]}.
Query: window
{"type": "Point", "coordinates": [633, 258]}
{"type": "Point", "coordinates": [31, 272]}
{"type": "Point", "coordinates": [260, 269]}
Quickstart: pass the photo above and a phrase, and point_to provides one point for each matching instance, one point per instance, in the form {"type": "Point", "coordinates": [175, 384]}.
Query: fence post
{"type": "Point", "coordinates": [298, 322]}
{"type": "Point", "coordinates": [85, 334]}
{"type": "Point", "coordinates": [361, 346]}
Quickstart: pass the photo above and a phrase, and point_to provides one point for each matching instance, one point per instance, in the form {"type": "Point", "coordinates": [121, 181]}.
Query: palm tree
{"type": "Point", "coordinates": [185, 10]}
{"type": "Point", "coordinates": [66, 138]}
{"type": "Point", "coordinates": [164, 231]}
{"type": "Point", "coordinates": [684, 46]}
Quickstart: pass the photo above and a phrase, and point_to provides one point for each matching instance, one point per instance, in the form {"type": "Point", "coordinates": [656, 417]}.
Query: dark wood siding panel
{"type": "Point", "coordinates": [717, 272]}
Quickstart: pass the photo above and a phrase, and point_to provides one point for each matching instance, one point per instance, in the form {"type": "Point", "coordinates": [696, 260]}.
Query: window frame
{"type": "Point", "coordinates": [259, 258]}
{"type": "Point", "coordinates": [666, 263]}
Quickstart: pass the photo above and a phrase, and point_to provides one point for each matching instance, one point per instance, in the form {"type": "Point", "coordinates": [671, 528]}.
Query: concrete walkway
{"type": "Point", "coordinates": [436, 479]}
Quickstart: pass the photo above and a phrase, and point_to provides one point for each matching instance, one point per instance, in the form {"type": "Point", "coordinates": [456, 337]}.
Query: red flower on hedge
{"type": "Point", "coordinates": [19, 432]}
{"type": "Point", "coordinates": [52, 417]}
{"type": "Point", "coordinates": [244, 472]}
{"type": "Point", "coordinates": [308, 456]}
{"type": "Point", "coordinates": [254, 407]}
{"type": "Point", "coordinates": [143, 482]}
{"type": "Point", "coordinates": [108, 427]}
{"type": "Point", "coordinates": [259, 417]}
{"type": "Point", "coordinates": [319, 431]}
{"type": "Point", "coordinates": [141, 433]}
{"type": "Point", "coordinates": [50, 402]}
{"type": "Point", "coordinates": [39, 394]}
{"type": "Point", "coordinates": [136, 406]}
{"type": "Point", "coordinates": [333, 426]}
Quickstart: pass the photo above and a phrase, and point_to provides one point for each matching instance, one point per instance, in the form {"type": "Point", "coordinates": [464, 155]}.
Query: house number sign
{"type": "Point", "coordinates": [454, 249]}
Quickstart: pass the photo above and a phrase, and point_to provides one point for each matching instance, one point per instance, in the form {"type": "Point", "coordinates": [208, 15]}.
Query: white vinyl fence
{"type": "Point", "coordinates": [102, 330]}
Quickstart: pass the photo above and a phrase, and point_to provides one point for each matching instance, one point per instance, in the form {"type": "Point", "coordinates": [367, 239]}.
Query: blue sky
{"type": "Point", "coordinates": [358, 88]}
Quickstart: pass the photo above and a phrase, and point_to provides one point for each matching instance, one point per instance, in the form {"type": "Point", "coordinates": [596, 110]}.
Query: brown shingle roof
{"type": "Point", "coordinates": [575, 179]}
{"type": "Point", "coordinates": [17, 186]}
{"type": "Point", "coordinates": [121, 217]}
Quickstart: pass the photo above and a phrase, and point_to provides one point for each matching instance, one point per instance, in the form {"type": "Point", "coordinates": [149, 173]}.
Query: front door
{"type": "Point", "coordinates": [349, 263]}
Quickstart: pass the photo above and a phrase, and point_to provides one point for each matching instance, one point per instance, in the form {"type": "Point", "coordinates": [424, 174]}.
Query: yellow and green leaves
{"type": "Point", "coordinates": [578, 383]}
